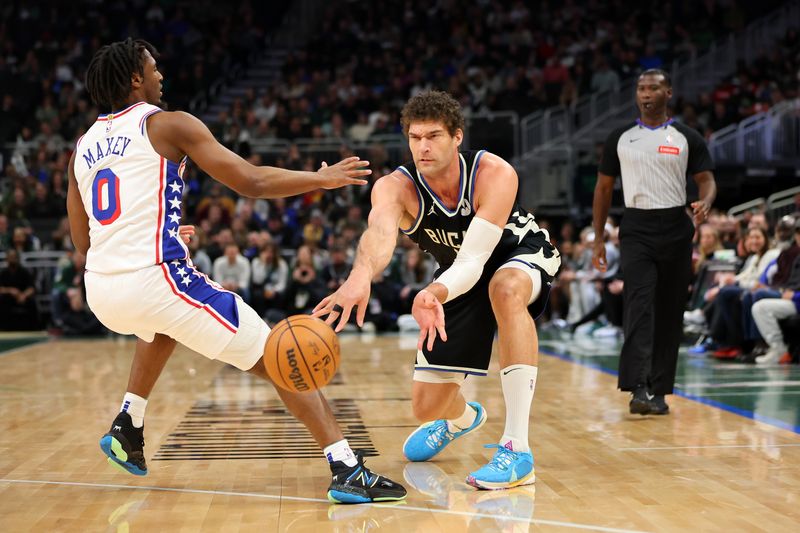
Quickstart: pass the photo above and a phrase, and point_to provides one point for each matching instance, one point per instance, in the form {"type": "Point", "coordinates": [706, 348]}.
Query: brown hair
{"type": "Point", "coordinates": [435, 106]}
{"type": "Point", "coordinates": [764, 234]}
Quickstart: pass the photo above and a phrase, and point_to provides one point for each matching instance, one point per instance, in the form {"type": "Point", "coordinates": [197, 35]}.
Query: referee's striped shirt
{"type": "Point", "coordinates": [654, 162]}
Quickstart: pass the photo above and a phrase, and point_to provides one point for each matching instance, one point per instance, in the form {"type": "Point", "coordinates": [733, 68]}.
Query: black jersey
{"type": "Point", "coordinates": [440, 231]}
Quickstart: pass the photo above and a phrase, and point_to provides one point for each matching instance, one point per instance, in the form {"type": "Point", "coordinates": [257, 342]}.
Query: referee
{"type": "Point", "coordinates": [653, 155]}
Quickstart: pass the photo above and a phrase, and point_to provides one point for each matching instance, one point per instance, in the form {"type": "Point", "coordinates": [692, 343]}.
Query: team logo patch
{"type": "Point", "coordinates": [674, 150]}
{"type": "Point", "coordinates": [466, 209]}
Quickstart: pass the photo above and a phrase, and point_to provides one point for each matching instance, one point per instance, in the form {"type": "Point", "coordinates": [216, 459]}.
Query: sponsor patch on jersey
{"type": "Point", "coordinates": [674, 150]}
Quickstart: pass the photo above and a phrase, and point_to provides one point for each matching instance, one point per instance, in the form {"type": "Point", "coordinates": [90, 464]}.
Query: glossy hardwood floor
{"type": "Point", "coordinates": [224, 456]}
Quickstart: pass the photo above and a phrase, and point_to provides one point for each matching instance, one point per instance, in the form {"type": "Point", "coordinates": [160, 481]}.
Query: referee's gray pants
{"type": "Point", "coordinates": [656, 260]}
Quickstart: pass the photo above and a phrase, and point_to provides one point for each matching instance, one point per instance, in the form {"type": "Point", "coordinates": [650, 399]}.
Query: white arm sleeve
{"type": "Point", "coordinates": [480, 240]}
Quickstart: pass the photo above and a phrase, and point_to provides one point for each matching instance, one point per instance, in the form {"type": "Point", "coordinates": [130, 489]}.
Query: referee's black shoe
{"type": "Point", "coordinates": [641, 401]}
{"type": "Point", "coordinates": [658, 406]}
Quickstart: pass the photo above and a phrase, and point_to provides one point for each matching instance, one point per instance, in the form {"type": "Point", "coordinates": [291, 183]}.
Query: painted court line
{"type": "Point", "coordinates": [758, 394]}
{"type": "Point", "coordinates": [319, 500]}
{"type": "Point", "coordinates": [699, 398]}
{"type": "Point", "coordinates": [714, 446]}
{"type": "Point", "coordinates": [738, 384]}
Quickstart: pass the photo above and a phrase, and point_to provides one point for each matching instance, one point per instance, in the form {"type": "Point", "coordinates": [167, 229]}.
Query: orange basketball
{"type": "Point", "coordinates": [302, 353]}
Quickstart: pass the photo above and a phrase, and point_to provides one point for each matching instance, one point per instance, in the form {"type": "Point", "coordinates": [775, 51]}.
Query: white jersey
{"type": "Point", "coordinates": [131, 194]}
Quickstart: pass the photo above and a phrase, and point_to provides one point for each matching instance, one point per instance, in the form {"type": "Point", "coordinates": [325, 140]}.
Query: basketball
{"type": "Point", "coordinates": [301, 354]}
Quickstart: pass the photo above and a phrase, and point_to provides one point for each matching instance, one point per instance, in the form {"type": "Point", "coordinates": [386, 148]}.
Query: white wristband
{"type": "Point", "coordinates": [480, 240]}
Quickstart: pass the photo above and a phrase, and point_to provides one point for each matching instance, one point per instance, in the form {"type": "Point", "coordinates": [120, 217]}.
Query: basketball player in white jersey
{"type": "Point", "coordinates": [496, 266]}
{"type": "Point", "coordinates": [124, 204]}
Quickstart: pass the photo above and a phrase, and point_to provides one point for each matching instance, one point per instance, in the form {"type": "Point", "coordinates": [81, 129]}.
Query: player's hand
{"type": "Point", "coordinates": [599, 256]}
{"type": "Point", "coordinates": [345, 172]}
{"type": "Point", "coordinates": [429, 314]}
{"type": "Point", "coordinates": [186, 233]}
{"type": "Point", "coordinates": [700, 208]}
{"type": "Point", "coordinates": [353, 293]}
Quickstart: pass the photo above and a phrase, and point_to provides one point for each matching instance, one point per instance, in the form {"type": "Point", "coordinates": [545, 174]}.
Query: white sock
{"type": "Point", "coordinates": [519, 382]}
{"type": "Point", "coordinates": [340, 451]}
{"type": "Point", "coordinates": [464, 421]}
{"type": "Point", "coordinates": [134, 405]}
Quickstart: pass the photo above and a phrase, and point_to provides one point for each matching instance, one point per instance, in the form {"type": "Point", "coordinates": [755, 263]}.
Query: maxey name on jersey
{"type": "Point", "coordinates": [115, 145]}
{"type": "Point", "coordinates": [131, 193]}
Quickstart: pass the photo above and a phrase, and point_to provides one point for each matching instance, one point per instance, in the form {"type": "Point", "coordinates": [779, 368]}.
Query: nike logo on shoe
{"type": "Point", "coordinates": [507, 372]}
{"type": "Point", "coordinates": [117, 428]}
{"type": "Point", "coordinates": [634, 140]}
{"type": "Point", "coordinates": [650, 396]}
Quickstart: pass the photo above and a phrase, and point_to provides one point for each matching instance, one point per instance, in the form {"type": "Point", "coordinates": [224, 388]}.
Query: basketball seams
{"type": "Point", "coordinates": [300, 349]}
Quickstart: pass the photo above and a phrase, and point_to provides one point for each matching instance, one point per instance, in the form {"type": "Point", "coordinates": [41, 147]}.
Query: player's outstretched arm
{"type": "Point", "coordinates": [181, 133]}
{"type": "Point", "coordinates": [374, 252]}
{"type": "Point", "coordinates": [78, 219]}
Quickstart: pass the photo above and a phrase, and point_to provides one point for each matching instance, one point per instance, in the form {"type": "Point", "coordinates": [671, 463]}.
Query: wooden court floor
{"type": "Point", "coordinates": [224, 456]}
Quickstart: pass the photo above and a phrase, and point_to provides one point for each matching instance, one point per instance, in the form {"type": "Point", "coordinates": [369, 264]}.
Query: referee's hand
{"type": "Point", "coordinates": [700, 208]}
{"type": "Point", "coordinates": [599, 256]}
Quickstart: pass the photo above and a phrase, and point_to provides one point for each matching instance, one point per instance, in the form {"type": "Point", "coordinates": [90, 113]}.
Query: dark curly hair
{"type": "Point", "coordinates": [108, 78]}
{"type": "Point", "coordinates": [434, 106]}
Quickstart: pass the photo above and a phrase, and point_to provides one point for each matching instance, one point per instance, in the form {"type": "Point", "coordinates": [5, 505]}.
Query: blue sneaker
{"type": "Point", "coordinates": [432, 437]}
{"type": "Point", "coordinates": [124, 446]}
{"type": "Point", "coordinates": [703, 348]}
{"type": "Point", "coordinates": [506, 469]}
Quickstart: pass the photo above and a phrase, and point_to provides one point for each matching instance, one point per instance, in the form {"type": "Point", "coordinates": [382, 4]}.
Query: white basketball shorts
{"type": "Point", "coordinates": [177, 300]}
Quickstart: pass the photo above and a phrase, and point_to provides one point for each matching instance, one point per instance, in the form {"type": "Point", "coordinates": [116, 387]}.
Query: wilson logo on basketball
{"type": "Point", "coordinates": [673, 150]}
{"type": "Point", "coordinates": [295, 376]}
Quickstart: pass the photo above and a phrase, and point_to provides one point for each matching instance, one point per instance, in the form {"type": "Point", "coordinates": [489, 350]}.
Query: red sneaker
{"type": "Point", "coordinates": [727, 353]}
{"type": "Point", "coordinates": [785, 359]}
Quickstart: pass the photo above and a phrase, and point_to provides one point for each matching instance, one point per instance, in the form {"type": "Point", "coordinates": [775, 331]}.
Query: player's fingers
{"type": "Point", "coordinates": [359, 163]}
{"type": "Point", "coordinates": [361, 312]}
{"type": "Point", "coordinates": [442, 332]}
{"type": "Point", "coordinates": [324, 165]}
{"type": "Point", "coordinates": [355, 173]}
{"type": "Point", "coordinates": [332, 316]}
{"type": "Point", "coordinates": [348, 160]}
{"type": "Point", "coordinates": [354, 181]}
{"type": "Point", "coordinates": [345, 317]}
{"type": "Point", "coordinates": [421, 338]}
{"type": "Point", "coordinates": [318, 313]}
{"type": "Point", "coordinates": [322, 304]}
{"type": "Point", "coordinates": [431, 337]}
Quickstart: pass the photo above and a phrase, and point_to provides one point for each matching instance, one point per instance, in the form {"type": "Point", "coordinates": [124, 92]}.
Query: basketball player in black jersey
{"type": "Point", "coordinates": [496, 266]}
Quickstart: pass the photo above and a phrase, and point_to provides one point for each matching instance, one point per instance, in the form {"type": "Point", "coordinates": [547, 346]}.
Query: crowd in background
{"type": "Point", "coordinates": [736, 263]}
{"type": "Point", "coordinates": [772, 78]}
{"type": "Point", "coordinates": [349, 83]}
{"type": "Point", "coordinates": [352, 81]}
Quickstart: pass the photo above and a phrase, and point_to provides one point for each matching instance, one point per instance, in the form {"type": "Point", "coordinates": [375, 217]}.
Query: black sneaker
{"type": "Point", "coordinates": [658, 406]}
{"type": "Point", "coordinates": [124, 446]}
{"type": "Point", "coordinates": [640, 401]}
{"type": "Point", "coordinates": [356, 484]}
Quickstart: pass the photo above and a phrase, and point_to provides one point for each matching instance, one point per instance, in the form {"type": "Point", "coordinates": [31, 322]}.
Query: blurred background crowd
{"type": "Point", "coordinates": [347, 83]}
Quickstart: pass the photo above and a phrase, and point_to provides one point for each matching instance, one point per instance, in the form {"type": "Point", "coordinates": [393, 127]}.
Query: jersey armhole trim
{"type": "Point", "coordinates": [473, 175]}
{"type": "Point", "coordinates": [143, 122]}
{"type": "Point", "coordinates": [418, 219]}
